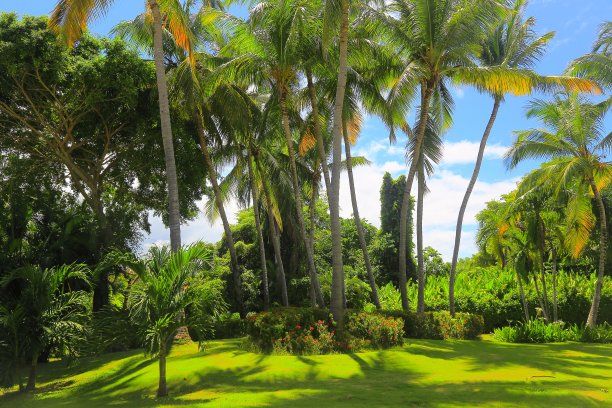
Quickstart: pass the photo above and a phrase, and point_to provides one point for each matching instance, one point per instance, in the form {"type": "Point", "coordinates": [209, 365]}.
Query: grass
{"type": "Point", "coordinates": [422, 373]}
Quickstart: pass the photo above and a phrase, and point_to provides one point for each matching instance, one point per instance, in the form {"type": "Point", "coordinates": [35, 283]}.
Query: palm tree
{"type": "Point", "coordinates": [267, 49]}
{"type": "Point", "coordinates": [47, 314]}
{"type": "Point", "coordinates": [511, 44]}
{"type": "Point", "coordinates": [576, 148]}
{"type": "Point", "coordinates": [70, 17]}
{"type": "Point", "coordinates": [167, 285]}
{"type": "Point", "coordinates": [597, 65]}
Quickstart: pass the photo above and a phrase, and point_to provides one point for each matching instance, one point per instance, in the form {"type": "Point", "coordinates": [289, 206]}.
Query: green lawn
{"type": "Point", "coordinates": [422, 373]}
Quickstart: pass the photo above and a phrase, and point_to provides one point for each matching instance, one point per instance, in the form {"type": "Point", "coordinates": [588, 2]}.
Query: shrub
{"type": "Point", "coordinates": [377, 330]}
{"type": "Point", "coordinates": [440, 325]}
{"type": "Point", "coordinates": [230, 327]}
{"type": "Point", "coordinates": [538, 331]}
{"type": "Point", "coordinates": [315, 339]}
{"type": "Point", "coordinates": [112, 330]}
{"type": "Point", "coordinates": [266, 327]}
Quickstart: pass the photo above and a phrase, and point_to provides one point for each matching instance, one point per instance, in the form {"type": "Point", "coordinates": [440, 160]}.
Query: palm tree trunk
{"type": "Point", "coordinates": [311, 231]}
{"type": "Point", "coordinates": [464, 203]}
{"type": "Point", "coordinates": [360, 234]}
{"type": "Point", "coordinates": [426, 91]}
{"type": "Point", "coordinates": [554, 283]}
{"type": "Point", "coordinates": [174, 216]}
{"type": "Point", "coordinates": [337, 292]}
{"type": "Point", "coordinates": [31, 385]}
{"type": "Point", "coordinates": [539, 295]}
{"type": "Point", "coordinates": [317, 129]}
{"type": "Point", "coordinates": [297, 192]}
{"type": "Point", "coordinates": [262, 248]}
{"type": "Point", "coordinates": [522, 293]}
{"type": "Point", "coordinates": [543, 271]}
{"type": "Point", "coordinates": [212, 176]}
{"type": "Point", "coordinates": [603, 248]}
{"type": "Point", "coordinates": [162, 389]}
{"type": "Point", "coordinates": [419, 227]}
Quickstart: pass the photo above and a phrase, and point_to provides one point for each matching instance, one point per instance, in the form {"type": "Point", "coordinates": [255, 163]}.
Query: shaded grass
{"type": "Point", "coordinates": [423, 373]}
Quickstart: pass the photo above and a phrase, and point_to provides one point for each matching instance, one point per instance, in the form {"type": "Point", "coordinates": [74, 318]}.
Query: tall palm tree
{"type": "Point", "coordinates": [70, 18]}
{"type": "Point", "coordinates": [576, 147]}
{"type": "Point", "coordinates": [436, 39]}
{"type": "Point", "coordinates": [47, 314]}
{"type": "Point", "coordinates": [512, 44]}
{"type": "Point", "coordinates": [167, 285]}
{"type": "Point", "coordinates": [265, 49]}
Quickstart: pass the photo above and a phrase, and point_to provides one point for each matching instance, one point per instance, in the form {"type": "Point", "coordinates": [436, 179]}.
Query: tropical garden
{"type": "Point", "coordinates": [187, 109]}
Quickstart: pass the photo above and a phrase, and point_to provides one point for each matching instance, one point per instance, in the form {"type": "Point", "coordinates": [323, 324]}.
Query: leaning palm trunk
{"type": "Point", "coordinates": [360, 234]}
{"type": "Point", "coordinates": [419, 227]}
{"type": "Point", "coordinates": [522, 293]}
{"type": "Point", "coordinates": [212, 175]}
{"type": "Point", "coordinates": [297, 193]}
{"type": "Point", "coordinates": [174, 217]}
{"type": "Point", "coordinates": [427, 91]}
{"type": "Point", "coordinates": [337, 292]}
{"type": "Point", "coordinates": [280, 270]}
{"type": "Point", "coordinates": [466, 198]}
{"type": "Point", "coordinates": [262, 248]}
{"type": "Point", "coordinates": [539, 295]}
{"type": "Point", "coordinates": [543, 270]}
{"type": "Point", "coordinates": [603, 248]}
{"type": "Point", "coordinates": [317, 129]}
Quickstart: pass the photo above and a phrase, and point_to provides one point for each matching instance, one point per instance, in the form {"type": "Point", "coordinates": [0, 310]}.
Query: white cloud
{"type": "Point", "coordinates": [465, 151]}
{"type": "Point", "coordinates": [441, 206]}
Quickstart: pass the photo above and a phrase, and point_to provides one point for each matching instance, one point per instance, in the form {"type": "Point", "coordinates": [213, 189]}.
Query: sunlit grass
{"type": "Point", "coordinates": [422, 373]}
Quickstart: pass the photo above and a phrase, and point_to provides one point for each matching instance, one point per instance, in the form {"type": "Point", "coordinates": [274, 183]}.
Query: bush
{"type": "Point", "coordinates": [112, 330]}
{"type": "Point", "coordinates": [316, 339]}
{"type": "Point", "coordinates": [377, 330]}
{"type": "Point", "coordinates": [538, 331]}
{"type": "Point", "coordinates": [440, 325]}
{"type": "Point", "coordinates": [230, 327]}
{"type": "Point", "coordinates": [265, 328]}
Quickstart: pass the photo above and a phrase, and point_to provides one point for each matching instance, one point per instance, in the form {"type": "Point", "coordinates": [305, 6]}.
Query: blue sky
{"type": "Point", "coordinates": [575, 24]}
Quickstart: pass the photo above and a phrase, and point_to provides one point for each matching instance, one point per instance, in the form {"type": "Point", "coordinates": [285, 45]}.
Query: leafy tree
{"type": "Point", "coordinates": [70, 18]}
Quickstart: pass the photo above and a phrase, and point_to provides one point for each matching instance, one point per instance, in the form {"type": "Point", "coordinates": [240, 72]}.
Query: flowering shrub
{"type": "Point", "coordinates": [377, 330]}
{"type": "Point", "coordinates": [315, 339]}
{"type": "Point", "coordinates": [439, 325]}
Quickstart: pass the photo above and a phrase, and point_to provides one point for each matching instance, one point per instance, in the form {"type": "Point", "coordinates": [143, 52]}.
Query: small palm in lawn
{"type": "Point", "coordinates": [70, 18]}
{"type": "Point", "coordinates": [576, 148]}
{"type": "Point", "coordinates": [167, 286]}
{"type": "Point", "coordinates": [43, 315]}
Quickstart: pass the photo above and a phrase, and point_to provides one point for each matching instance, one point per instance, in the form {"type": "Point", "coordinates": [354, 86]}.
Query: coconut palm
{"type": "Point", "coordinates": [168, 285]}
{"type": "Point", "coordinates": [47, 315]}
{"type": "Point", "coordinates": [70, 18]}
{"type": "Point", "coordinates": [512, 44]}
{"type": "Point", "coordinates": [266, 50]}
{"type": "Point", "coordinates": [596, 65]}
{"type": "Point", "coordinates": [576, 147]}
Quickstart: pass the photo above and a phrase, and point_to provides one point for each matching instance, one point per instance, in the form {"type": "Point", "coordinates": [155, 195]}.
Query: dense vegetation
{"type": "Point", "coordinates": [264, 112]}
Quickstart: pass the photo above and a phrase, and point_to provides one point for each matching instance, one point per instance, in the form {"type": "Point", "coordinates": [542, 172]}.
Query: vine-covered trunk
{"type": "Point", "coordinates": [426, 92]}
{"type": "Point", "coordinates": [537, 288]}
{"type": "Point", "coordinates": [464, 203]}
{"type": "Point", "coordinates": [297, 192]}
{"type": "Point", "coordinates": [260, 240]}
{"type": "Point", "coordinates": [522, 293]}
{"type": "Point", "coordinates": [174, 216]}
{"type": "Point", "coordinates": [603, 248]}
{"type": "Point", "coordinates": [357, 218]}
{"type": "Point", "coordinates": [212, 176]}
